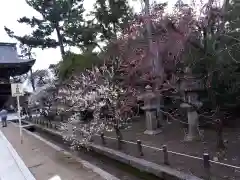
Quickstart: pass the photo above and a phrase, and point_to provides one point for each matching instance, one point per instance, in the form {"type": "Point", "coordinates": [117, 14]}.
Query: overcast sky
{"type": "Point", "coordinates": [12, 10]}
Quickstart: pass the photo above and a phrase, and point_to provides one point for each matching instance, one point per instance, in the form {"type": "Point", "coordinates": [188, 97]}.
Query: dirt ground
{"type": "Point", "coordinates": [172, 135]}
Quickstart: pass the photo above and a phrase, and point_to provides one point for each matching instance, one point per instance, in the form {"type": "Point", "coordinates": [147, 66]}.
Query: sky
{"type": "Point", "coordinates": [12, 10]}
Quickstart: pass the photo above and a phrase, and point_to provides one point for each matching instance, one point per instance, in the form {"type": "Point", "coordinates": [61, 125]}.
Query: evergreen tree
{"type": "Point", "coordinates": [26, 52]}
{"type": "Point", "coordinates": [41, 77]}
{"type": "Point", "coordinates": [217, 59]}
{"type": "Point", "coordinates": [83, 35]}
{"type": "Point", "coordinates": [111, 17]}
{"type": "Point", "coordinates": [55, 14]}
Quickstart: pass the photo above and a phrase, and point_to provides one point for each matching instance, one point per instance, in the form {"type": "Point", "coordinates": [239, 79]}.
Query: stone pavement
{"type": "Point", "coordinates": [11, 165]}
{"type": "Point", "coordinates": [44, 162]}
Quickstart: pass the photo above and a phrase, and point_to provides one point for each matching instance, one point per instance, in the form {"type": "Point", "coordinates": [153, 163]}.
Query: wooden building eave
{"type": "Point", "coordinates": [18, 68]}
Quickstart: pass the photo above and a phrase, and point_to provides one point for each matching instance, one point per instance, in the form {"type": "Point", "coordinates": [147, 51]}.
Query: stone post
{"type": "Point", "coordinates": [150, 108]}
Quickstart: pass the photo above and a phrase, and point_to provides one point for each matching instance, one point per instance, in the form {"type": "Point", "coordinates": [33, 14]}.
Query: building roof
{"type": "Point", "coordinates": [10, 59]}
{"type": "Point", "coordinates": [8, 44]}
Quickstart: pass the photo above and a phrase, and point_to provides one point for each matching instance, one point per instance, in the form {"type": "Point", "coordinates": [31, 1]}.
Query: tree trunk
{"type": "Point", "coordinates": [60, 40]}
{"type": "Point", "coordinates": [118, 132]}
{"type": "Point", "coordinates": [32, 80]}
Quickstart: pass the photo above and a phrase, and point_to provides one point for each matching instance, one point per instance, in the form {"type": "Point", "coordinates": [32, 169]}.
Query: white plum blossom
{"type": "Point", "coordinates": [91, 91]}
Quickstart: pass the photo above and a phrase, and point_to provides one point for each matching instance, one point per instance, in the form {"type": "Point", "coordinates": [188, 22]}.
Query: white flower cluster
{"type": "Point", "coordinates": [92, 91]}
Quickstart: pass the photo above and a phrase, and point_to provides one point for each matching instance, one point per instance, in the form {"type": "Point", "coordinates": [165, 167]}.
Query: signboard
{"type": "Point", "coordinates": [17, 89]}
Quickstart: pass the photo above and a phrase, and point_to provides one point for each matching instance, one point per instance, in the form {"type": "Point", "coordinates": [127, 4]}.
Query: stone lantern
{"type": "Point", "coordinates": [150, 108]}
{"type": "Point", "coordinates": [191, 86]}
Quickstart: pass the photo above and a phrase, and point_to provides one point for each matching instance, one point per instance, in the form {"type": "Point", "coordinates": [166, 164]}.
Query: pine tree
{"type": "Point", "coordinates": [112, 16]}
{"type": "Point", "coordinates": [26, 52]}
{"type": "Point", "coordinates": [55, 15]}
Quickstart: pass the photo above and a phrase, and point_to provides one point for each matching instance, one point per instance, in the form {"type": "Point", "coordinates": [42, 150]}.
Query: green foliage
{"type": "Point", "coordinates": [55, 15]}
{"type": "Point", "coordinates": [33, 41]}
{"type": "Point", "coordinates": [82, 35]}
{"type": "Point", "coordinates": [217, 61]}
{"type": "Point", "coordinates": [41, 77]}
{"type": "Point", "coordinates": [112, 16]}
{"type": "Point", "coordinates": [77, 63]}
{"type": "Point", "coordinates": [66, 18]}
{"type": "Point", "coordinates": [26, 52]}
{"type": "Point", "coordinates": [226, 72]}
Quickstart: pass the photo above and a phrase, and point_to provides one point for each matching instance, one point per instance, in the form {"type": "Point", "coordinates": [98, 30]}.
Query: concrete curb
{"type": "Point", "coordinates": [161, 171]}
{"type": "Point", "coordinates": [86, 164]}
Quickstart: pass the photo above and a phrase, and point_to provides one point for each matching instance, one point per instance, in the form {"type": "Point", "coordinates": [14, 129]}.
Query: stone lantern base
{"type": "Point", "coordinates": [193, 123]}
{"type": "Point", "coordinates": [153, 132]}
{"type": "Point", "coordinates": [189, 138]}
{"type": "Point", "coordinates": [193, 126]}
{"type": "Point", "coordinates": [151, 123]}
